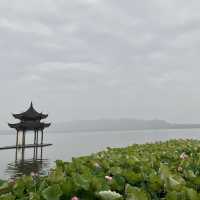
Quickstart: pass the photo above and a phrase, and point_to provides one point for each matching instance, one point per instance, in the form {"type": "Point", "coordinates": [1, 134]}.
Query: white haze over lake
{"type": "Point", "coordinates": [89, 59]}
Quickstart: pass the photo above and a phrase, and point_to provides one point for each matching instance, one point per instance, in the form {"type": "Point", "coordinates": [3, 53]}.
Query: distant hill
{"type": "Point", "coordinates": [117, 124]}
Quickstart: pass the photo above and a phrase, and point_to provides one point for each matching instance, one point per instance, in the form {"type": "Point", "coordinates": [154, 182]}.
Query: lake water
{"type": "Point", "coordinates": [68, 145]}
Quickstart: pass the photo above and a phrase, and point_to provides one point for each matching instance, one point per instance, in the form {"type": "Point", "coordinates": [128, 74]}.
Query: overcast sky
{"type": "Point", "coordinates": [88, 59]}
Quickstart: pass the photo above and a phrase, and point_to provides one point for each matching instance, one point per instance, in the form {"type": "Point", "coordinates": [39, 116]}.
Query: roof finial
{"type": "Point", "coordinates": [31, 104]}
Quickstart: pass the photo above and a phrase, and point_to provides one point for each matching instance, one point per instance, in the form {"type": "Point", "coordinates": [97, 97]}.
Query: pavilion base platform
{"type": "Point", "coordinates": [24, 146]}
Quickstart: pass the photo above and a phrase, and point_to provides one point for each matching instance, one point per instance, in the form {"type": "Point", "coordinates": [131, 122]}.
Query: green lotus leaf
{"type": "Point", "coordinates": [52, 193]}
{"type": "Point", "coordinates": [155, 183]}
{"type": "Point", "coordinates": [96, 184]}
{"type": "Point", "coordinates": [81, 182]}
{"type": "Point", "coordinates": [192, 194]}
{"type": "Point", "coordinates": [19, 188]}
{"type": "Point", "coordinates": [43, 185]}
{"type": "Point", "coordinates": [174, 182]}
{"type": "Point", "coordinates": [189, 174]}
{"type": "Point", "coordinates": [56, 176]}
{"type": "Point", "coordinates": [67, 187]}
{"type": "Point", "coordinates": [117, 183]}
{"type": "Point", "coordinates": [2, 182]}
{"type": "Point", "coordinates": [196, 180]}
{"type": "Point", "coordinates": [164, 172]}
{"type": "Point", "coordinates": [132, 177]}
{"type": "Point", "coordinates": [134, 193]}
{"type": "Point", "coordinates": [8, 196]}
{"type": "Point", "coordinates": [115, 170]}
{"type": "Point", "coordinates": [34, 196]}
{"type": "Point", "coordinates": [4, 188]}
{"type": "Point", "coordinates": [173, 195]}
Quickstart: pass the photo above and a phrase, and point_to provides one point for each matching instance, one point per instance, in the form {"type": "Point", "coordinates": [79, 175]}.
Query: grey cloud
{"type": "Point", "coordinates": [101, 58]}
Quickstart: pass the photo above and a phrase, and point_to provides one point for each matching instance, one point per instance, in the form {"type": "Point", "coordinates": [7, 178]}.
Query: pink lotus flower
{"type": "Point", "coordinates": [109, 178]}
{"type": "Point", "coordinates": [74, 198]}
{"type": "Point", "coordinates": [184, 156]}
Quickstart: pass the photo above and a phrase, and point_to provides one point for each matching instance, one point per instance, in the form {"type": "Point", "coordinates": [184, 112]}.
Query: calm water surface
{"type": "Point", "coordinates": [68, 145]}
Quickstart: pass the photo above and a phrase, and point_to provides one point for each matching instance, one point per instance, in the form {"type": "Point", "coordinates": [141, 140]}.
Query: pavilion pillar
{"type": "Point", "coordinates": [23, 152]}
{"type": "Point", "coordinates": [36, 153]}
{"type": "Point", "coordinates": [34, 137]}
{"type": "Point", "coordinates": [37, 137]}
{"type": "Point", "coordinates": [34, 144]}
{"type": "Point", "coordinates": [41, 153]}
{"type": "Point", "coordinates": [16, 157]}
{"type": "Point", "coordinates": [23, 139]}
{"type": "Point", "coordinates": [42, 136]}
{"type": "Point", "coordinates": [17, 137]}
{"type": "Point", "coordinates": [36, 147]}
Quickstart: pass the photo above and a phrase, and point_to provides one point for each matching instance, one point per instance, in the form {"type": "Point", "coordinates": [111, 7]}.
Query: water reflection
{"type": "Point", "coordinates": [22, 166]}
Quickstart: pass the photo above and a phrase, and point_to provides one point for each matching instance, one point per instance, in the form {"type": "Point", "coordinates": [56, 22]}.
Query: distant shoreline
{"type": "Point", "coordinates": [127, 130]}
{"type": "Point", "coordinates": [101, 125]}
{"type": "Point", "coordinates": [118, 125]}
{"type": "Point", "coordinates": [96, 131]}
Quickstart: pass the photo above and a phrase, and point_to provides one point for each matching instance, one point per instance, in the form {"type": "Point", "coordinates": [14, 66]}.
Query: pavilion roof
{"type": "Point", "coordinates": [30, 114]}
{"type": "Point", "coordinates": [29, 125]}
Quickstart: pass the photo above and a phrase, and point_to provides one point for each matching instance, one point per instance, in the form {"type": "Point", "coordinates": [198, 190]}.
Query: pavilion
{"type": "Point", "coordinates": [30, 120]}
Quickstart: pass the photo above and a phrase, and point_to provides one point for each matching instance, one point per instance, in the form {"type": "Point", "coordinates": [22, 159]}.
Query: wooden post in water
{"type": "Point", "coordinates": [36, 148]}
{"type": "Point", "coordinates": [23, 139]}
{"type": "Point", "coordinates": [34, 137]}
{"type": "Point", "coordinates": [17, 137]}
{"type": "Point", "coordinates": [37, 138]}
{"type": "Point", "coordinates": [42, 136]}
{"type": "Point", "coordinates": [16, 154]}
{"type": "Point", "coordinates": [23, 152]}
{"type": "Point", "coordinates": [41, 153]}
{"type": "Point", "coordinates": [34, 144]}
{"type": "Point", "coordinates": [34, 152]}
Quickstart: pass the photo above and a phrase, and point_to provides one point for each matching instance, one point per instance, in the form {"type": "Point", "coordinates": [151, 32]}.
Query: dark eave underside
{"type": "Point", "coordinates": [29, 125]}
{"type": "Point", "coordinates": [29, 116]}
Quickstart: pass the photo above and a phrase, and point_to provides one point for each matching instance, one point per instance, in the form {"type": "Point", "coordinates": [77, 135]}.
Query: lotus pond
{"type": "Point", "coordinates": [165, 170]}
